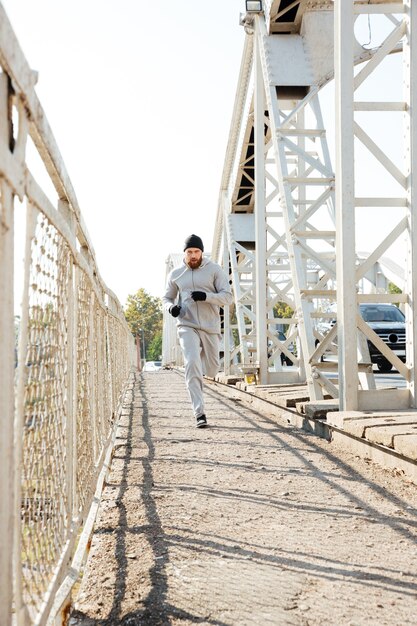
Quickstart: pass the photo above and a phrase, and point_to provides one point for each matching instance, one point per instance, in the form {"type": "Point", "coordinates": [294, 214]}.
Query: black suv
{"type": "Point", "coordinates": [387, 321]}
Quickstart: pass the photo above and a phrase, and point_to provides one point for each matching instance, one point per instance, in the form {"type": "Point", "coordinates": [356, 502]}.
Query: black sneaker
{"type": "Point", "coordinates": [201, 421]}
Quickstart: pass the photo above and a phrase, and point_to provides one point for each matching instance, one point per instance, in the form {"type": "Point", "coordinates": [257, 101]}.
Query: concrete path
{"type": "Point", "coordinates": [250, 521]}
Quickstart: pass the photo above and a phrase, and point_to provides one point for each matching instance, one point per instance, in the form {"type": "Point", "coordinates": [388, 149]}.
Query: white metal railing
{"type": "Point", "coordinates": [66, 354]}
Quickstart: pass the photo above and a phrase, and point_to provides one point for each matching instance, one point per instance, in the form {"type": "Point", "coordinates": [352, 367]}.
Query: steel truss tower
{"type": "Point", "coordinates": [287, 222]}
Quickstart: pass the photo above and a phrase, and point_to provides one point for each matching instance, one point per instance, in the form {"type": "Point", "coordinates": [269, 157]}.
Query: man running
{"type": "Point", "coordinates": [194, 293]}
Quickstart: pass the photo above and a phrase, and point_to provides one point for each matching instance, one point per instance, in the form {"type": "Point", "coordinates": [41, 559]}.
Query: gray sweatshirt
{"type": "Point", "coordinates": [211, 279]}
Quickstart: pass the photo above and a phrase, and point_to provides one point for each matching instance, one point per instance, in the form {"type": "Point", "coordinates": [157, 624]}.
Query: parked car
{"type": "Point", "coordinates": [387, 321]}
{"type": "Point", "coordinates": [152, 366]}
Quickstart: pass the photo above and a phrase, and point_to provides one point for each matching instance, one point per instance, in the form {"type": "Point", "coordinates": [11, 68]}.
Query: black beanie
{"type": "Point", "coordinates": [193, 241]}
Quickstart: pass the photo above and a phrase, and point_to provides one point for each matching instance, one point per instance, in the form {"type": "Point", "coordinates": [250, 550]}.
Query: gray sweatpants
{"type": "Point", "coordinates": [201, 356]}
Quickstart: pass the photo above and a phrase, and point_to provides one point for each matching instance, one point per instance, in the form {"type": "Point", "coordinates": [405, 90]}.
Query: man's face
{"type": "Point", "coordinates": [193, 257]}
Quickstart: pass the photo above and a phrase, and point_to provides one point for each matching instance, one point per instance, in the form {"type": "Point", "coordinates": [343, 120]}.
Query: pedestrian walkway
{"type": "Point", "coordinates": [250, 521]}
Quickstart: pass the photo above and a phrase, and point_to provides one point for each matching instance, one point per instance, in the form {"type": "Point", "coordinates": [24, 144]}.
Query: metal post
{"type": "Point", "coordinates": [410, 132]}
{"type": "Point", "coordinates": [31, 220]}
{"type": "Point", "coordinates": [74, 313]}
{"type": "Point", "coordinates": [71, 408]}
{"type": "Point", "coordinates": [139, 364]}
{"type": "Point", "coordinates": [142, 331]}
{"type": "Point", "coordinates": [92, 342]}
{"type": "Point", "coordinates": [260, 219]}
{"type": "Point", "coordinates": [7, 514]}
{"type": "Point", "coordinates": [226, 309]}
{"type": "Point", "coordinates": [345, 206]}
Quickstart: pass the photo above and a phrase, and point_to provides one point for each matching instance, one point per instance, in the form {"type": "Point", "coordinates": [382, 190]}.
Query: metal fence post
{"type": "Point", "coordinates": [7, 378]}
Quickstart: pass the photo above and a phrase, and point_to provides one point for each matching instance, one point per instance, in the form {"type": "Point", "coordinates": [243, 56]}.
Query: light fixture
{"type": "Point", "coordinates": [254, 6]}
{"type": "Point", "coordinates": [247, 20]}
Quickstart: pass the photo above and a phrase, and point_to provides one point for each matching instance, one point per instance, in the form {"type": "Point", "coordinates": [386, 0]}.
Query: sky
{"type": "Point", "coordinates": [139, 96]}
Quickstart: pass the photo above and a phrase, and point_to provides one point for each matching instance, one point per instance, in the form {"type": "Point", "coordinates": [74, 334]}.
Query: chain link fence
{"type": "Point", "coordinates": [67, 354]}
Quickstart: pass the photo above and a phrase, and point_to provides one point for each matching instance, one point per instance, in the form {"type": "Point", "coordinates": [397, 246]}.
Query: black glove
{"type": "Point", "coordinates": [174, 309]}
{"type": "Point", "coordinates": [198, 296]}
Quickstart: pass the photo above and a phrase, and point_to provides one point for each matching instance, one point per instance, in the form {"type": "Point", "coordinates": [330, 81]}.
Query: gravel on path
{"type": "Point", "coordinates": [249, 521]}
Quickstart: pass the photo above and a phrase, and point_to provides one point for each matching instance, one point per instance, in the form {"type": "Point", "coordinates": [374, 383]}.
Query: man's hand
{"type": "Point", "coordinates": [198, 296]}
{"type": "Point", "coordinates": [174, 309]}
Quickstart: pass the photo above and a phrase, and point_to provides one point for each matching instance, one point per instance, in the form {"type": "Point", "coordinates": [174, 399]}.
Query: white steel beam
{"type": "Point", "coordinates": [232, 144]}
{"type": "Point", "coordinates": [260, 222]}
{"type": "Point", "coordinates": [410, 117]}
{"type": "Point", "coordinates": [345, 207]}
{"type": "Point", "coordinates": [282, 177]}
{"type": "Point", "coordinates": [226, 308]}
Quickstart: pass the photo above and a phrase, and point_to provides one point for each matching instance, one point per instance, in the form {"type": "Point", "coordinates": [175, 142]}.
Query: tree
{"type": "Point", "coordinates": [143, 314]}
{"type": "Point", "coordinates": [282, 309]}
{"type": "Point", "coordinates": [392, 288]}
{"type": "Point", "coordinates": [155, 347]}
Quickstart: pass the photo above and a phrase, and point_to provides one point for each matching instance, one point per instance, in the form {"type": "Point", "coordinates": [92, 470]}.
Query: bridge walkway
{"type": "Point", "coordinates": [250, 521]}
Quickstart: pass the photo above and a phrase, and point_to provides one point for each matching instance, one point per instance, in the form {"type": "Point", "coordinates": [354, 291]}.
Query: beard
{"type": "Point", "coordinates": [194, 263]}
